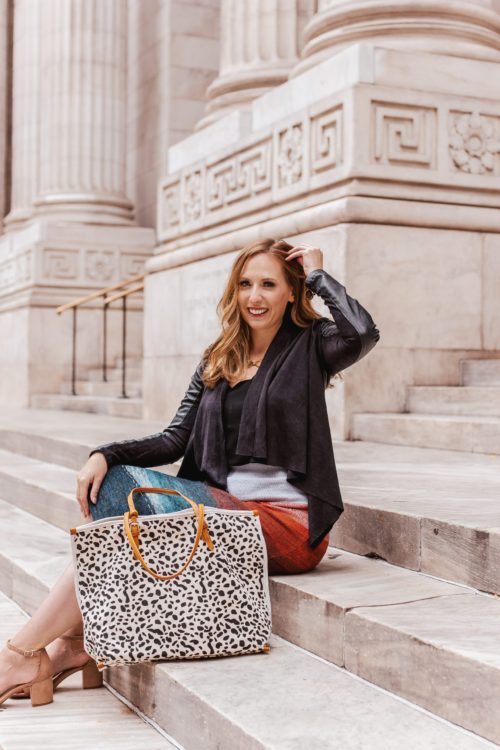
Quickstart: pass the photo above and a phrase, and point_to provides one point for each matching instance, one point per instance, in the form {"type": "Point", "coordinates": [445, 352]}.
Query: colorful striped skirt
{"type": "Point", "coordinates": [284, 523]}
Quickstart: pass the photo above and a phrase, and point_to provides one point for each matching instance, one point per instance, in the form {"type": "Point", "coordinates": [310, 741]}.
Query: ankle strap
{"type": "Point", "coordinates": [28, 653]}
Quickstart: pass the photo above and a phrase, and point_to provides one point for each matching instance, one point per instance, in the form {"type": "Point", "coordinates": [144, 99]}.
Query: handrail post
{"type": "Point", "coordinates": [73, 357]}
{"type": "Point", "coordinates": [104, 341]}
{"type": "Point", "coordinates": [124, 336]}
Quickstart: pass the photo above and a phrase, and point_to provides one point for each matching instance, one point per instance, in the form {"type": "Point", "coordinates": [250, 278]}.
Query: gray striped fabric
{"type": "Point", "coordinates": [255, 481]}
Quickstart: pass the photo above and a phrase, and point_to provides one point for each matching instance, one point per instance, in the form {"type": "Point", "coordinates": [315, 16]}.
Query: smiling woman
{"type": "Point", "coordinates": [280, 456]}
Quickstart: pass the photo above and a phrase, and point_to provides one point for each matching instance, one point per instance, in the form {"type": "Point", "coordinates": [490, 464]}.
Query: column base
{"type": "Point", "coordinates": [93, 209]}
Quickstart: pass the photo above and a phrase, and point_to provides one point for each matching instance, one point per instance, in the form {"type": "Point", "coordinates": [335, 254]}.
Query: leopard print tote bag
{"type": "Point", "coordinates": [216, 601]}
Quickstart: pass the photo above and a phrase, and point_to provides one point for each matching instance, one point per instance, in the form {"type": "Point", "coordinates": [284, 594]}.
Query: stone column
{"type": "Point", "coordinates": [4, 35]}
{"type": "Point", "coordinates": [258, 49]}
{"type": "Point", "coordinates": [25, 113]}
{"type": "Point", "coordinates": [463, 28]}
{"type": "Point", "coordinates": [83, 111]}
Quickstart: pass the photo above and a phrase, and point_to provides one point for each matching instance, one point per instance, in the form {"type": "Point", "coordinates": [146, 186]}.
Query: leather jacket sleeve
{"type": "Point", "coordinates": [353, 334]}
{"type": "Point", "coordinates": [163, 447]}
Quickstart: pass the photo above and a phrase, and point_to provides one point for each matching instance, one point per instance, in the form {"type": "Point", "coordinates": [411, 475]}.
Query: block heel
{"type": "Point", "coordinates": [42, 692]}
{"type": "Point", "coordinates": [91, 677]}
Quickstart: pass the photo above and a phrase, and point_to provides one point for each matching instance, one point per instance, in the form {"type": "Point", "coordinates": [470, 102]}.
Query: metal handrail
{"type": "Point", "coordinates": [106, 302]}
{"type": "Point", "coordinates": [99, 293]}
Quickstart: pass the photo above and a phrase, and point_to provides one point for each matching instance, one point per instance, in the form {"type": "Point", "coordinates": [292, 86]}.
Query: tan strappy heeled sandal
{"type": "Point", "coordinates": [40, 688]}
{"type": "Point", "coordinates": [91, 677]}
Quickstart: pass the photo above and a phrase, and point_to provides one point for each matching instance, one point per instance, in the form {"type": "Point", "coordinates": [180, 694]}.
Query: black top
{"type": "Point", "coordinates": [231, 415]}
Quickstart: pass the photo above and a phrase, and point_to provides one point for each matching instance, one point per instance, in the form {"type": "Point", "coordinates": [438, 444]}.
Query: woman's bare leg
{"type": "Point", "coordinates": [59, 613]}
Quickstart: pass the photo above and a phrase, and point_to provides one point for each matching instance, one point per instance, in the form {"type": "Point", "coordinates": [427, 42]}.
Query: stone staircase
{"type": "Point", "coordinates": [463, 418]}
{"type": "Point", "coordinates": [366, 653]}
{"type": "Point", "coordinates": [96, 396]}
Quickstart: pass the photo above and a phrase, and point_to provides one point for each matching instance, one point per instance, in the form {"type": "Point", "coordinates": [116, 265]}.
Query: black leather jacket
{"type": "Point", "coordinates": [341, 343]}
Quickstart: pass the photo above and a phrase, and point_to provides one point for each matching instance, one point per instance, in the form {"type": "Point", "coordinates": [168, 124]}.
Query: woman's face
{"type": "Point", "coordinates": [262, 286]}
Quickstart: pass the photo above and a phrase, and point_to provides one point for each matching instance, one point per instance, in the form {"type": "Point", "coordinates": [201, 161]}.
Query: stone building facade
{"type": "Point", "coordinates": [165, 135]}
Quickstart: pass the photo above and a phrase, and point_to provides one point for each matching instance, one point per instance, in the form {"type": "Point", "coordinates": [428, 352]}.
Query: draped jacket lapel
{"type": "Point", "coordinates": [252, 439]}
{"type": "Point", "coordinates": [207, 440]}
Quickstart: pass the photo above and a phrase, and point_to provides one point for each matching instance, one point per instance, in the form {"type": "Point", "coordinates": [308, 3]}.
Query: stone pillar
{"type": "Point", "coordinates": [25, 113]}
{"type": "Point", "coordinates": [70, 222]}
{"type": "Point", "coordinates": [464, 28]}
{"type": "Point", "coordinates": [258, 49]}
{"type": "Point", "coordinates": [4, 61]}
{"type": "Point", "coordinates": [83, 111]}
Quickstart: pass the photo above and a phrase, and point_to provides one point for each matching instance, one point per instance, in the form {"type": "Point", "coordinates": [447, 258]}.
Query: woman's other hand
{"type": "Point", "coordinates": [90, 477]}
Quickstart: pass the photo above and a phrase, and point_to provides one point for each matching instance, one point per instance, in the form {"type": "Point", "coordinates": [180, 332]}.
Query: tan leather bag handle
{"type": "Point", "coordinates": [132, 529]}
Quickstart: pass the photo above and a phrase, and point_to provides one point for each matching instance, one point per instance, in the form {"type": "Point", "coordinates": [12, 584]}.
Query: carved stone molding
{"type": "Point", "coordinates": [59, 265]}
{"type": "Point", "coordinates": [404, 135]}
{"type": "Point", "coordinates": [474, 143]}
{"type": "Point", "coordinates": [242, 176]}
{"type": "Point", "coordinates": [36, 260]}
{"type": "Point", "coordinates": [290, 155]}
{"type": "Point", "coordinates": [100, 265]}
{"type": "Point", "coordinates": [266, 169]}
{"type": "Point", "coordinates": [193, 196]}
{"type": "Point", "coordinates": [326, 140]}
{"type": "Point", "coordinates": [366, 140]}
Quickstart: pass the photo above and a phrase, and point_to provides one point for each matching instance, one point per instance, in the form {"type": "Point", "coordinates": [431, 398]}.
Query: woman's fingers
{"type": "Point", "coordinates": [95, 488]}
{"type": "Point", "coordinates": [82, 489]}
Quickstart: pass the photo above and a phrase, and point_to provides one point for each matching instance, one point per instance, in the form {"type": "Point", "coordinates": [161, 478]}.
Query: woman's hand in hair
{"type": "Point", "coordinates": [308, 256]}
{"type": "Point", "coordinates": [90, 478]}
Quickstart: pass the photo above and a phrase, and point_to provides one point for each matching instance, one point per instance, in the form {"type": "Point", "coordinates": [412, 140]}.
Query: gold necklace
{"type": "Point", "coordinates": [255, 364]}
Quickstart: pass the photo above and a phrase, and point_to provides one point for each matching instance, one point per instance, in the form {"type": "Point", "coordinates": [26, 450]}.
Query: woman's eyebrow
{"type": "Point", "coordinates": [263, 278]}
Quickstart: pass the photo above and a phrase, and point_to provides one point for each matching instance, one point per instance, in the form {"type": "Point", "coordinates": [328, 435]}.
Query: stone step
{"type": "Point", "coordinates": [116, 407]}
{"type": "Point", "coordinates": [430, 510]}
{"type": "Point", "coordinates": [106, 722]}
{"type": "Point", "coordinates": [72, 436]}
{"type": "Point", "coordinates": [112, 388]}
{"type": "Point", "coordinates": [345, 612]}
{"type": "Point", "coordinates": [480, 371]}
{"type": "Point", "coordinates": [44, 490]}
{"type": "Point", "coordinates": [132, 373]}
{"type": "Point", "coordinates": [459, 433]}
{"type": "Point", "coordinates": [456, 400]}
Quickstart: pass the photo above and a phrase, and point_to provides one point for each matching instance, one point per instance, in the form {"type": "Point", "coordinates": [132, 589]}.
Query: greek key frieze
{"type": "Point", "coordinates": [131, 265]}
{"type": "Point", "coordinates": [243, 175]}
{"type": "Point", "coordinates": [326, 140]}
{"type": "Point", "coordinates": [404, 135]}
{"type": "Point", "coordinates": [59, 265]}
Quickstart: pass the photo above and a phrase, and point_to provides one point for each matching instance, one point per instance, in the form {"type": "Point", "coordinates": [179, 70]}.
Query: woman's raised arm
{"type": "Point", "coordinates": [353, 334]}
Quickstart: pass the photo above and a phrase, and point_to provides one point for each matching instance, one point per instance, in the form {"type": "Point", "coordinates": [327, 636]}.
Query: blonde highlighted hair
{"type": "Point", "coordinates": [228, 355]}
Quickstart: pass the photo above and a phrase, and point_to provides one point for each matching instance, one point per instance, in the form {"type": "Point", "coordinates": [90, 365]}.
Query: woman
{"type": "Point", "coordinates": [254, 433]}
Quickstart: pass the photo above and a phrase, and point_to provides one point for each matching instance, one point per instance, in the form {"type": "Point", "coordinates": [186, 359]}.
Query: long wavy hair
{"type": "Point", "coordinates": [227, 356]}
